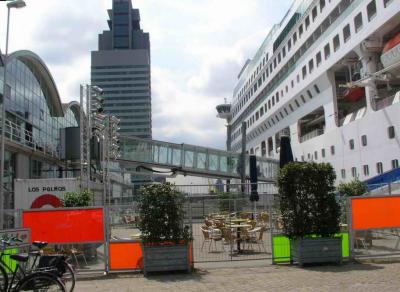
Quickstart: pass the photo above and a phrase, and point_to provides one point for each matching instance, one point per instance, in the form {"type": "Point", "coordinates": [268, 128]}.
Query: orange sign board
{"type": "Point", "coordinates": [65, 226]}
{"type": "Point", "coordinates": [126, 256]}
{"type": "Point", "coordinates": [375, 212]}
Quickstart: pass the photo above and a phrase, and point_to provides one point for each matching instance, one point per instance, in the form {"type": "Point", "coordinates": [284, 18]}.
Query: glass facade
{"type": "Point", "coordinates": [29, 112]}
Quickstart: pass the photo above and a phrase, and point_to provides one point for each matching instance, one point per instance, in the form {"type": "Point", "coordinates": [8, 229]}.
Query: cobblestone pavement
{"type": "Point", "coordinates": [368, 276]}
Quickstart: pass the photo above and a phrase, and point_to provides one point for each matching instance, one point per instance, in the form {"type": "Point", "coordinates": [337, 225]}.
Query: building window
{"type": "Point", "coordinates": [364, 140]}
{"type": "Point", "coordinates": [395, 163]}
{"type": "Point", "coordinates": [354, 172]}
{"type": "Point", "coordinates": [346, 33]}
{"type": "Point", "coordinates": [379, 167]}
{"type": "Point", "coordinates": [319, 58]}
{"type": "Point", "coordinates": [314, 13]}
{"type": "Point", "coordinates": [343, 172]}
{"type": "Point", "coordinates": [327, 51]}
{"type": "Point", "coordinates": [387, 2]}
{"type": "Point", "coordinates": [371, 10]}
{"type": "Point", "coordinates": [336, 43]}
{"type": "Point", "coordinates": [333, 150]}
{"type": "Point", "coordinates": [351, 144]}
{"type": "Point", "coordinates": [366, 170]}
{"type": "Point", "coordinates": [323, 152]}
{"type": "Point", "coordinates": [391, 132]}
{"type": "Point", "coordinates": [321, 5]}
{"type": "Point", "coordinates": [358, 22]}
{"type": "Point", "coordinates": [311, 65]}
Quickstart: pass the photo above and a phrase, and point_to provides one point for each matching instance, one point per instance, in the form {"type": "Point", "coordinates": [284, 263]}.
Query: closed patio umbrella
{"type": "Point", "coordinates": [286, 154]}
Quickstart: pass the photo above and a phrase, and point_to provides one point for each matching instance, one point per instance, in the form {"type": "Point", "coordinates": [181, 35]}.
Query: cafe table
{"type": "Point", "coordinates": [238, 230]}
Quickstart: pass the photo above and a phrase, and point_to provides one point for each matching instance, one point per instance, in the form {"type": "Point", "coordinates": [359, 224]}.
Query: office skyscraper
{"type": "Point", "coordinates": [121, 67]}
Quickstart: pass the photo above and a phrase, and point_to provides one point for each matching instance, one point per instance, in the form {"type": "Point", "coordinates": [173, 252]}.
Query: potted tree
{"type": "Point", "coordinates": [166, 241]}
{"type": "Point", "coordinates": [310, 212]}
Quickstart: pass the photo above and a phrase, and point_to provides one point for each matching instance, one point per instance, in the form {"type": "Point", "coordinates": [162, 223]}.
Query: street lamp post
{"type": "Point", "coordinates": [14, 4]}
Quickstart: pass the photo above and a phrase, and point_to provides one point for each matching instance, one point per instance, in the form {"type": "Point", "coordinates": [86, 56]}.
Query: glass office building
{"type": "Point", "coordinates": [121, 67]}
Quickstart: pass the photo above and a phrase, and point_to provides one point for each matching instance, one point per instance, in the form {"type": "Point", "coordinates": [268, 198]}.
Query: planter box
{"type": "Point", "coordinates": [166, 258]}
{"type": "Point", "coordinates": [316, 250]}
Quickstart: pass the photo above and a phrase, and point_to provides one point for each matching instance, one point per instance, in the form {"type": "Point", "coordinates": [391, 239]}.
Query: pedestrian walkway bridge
{"type": "Point", "coordinates": [190, 160]}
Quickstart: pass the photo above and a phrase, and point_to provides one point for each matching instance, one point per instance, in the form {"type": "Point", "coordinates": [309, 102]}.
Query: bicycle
{"type": "Point", "coordinates": [64, 270]}
{"type": "Point", "coordinates": [45, 280]}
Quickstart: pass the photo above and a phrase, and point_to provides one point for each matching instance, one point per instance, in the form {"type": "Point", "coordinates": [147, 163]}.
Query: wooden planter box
{"type": "Point", "coordinates": [316, 250]}
{"type": "Point", "coordinates": [166, 258]}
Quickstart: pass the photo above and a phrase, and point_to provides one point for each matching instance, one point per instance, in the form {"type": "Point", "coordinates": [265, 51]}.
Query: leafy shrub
{"type": "Point", "coordinates": [77, 199]}
{"type": "Point", "coordinates": [307, 200]}
{"type": "Point", "coordinates": [350, 189]}
{"type": "Point", "coordinates": [225, 202]}
{"type": "Point", "coordinates": [162, 214]}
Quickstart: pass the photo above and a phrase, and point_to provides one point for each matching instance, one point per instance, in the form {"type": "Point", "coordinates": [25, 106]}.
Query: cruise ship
{"type": "Point", "coordinates": [328, 75]}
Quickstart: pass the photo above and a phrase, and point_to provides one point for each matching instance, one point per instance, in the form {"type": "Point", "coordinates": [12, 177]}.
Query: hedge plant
{"type": "Point", "coordinates": [77, 199]}
{"type": "Point", "coordinates": [307, 200]}
{"type": "Point", "coordinates": [162, 215]}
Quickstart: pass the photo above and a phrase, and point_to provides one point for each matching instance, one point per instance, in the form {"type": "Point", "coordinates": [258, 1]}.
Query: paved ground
{"type": "Point", "coordinates": [258, 276]}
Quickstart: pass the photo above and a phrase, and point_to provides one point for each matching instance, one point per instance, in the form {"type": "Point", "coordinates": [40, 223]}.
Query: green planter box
{"type": "Point", "coordinates": [166, 258]}
{"type": "Point", "coordinates": [316, 250]}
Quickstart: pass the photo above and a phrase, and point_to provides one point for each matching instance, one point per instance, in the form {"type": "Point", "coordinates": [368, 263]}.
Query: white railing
{"type": "Point", "coordinates": [17, 134]}
{"type": "Point", "coordinates": [385, 102]}
{"type": "Point", "coordinates": [310, 135]}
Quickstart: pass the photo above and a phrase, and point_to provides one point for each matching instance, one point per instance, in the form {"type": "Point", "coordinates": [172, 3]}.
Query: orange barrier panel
{"type": "Point", "coordinates": [65, 226]}
{"type": "Point", "coordinates": [125, 256]}
{"type": "Point", "coordinates": [375, 212]}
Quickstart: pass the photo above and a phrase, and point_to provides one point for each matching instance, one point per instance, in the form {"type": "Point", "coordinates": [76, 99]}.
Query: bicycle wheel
{"type": "Point", "coordinates": [40, 282]}
{"type": "Point", "coordinates": [3, 279]}
{"type": "Point", "coordinates": [67, 275]}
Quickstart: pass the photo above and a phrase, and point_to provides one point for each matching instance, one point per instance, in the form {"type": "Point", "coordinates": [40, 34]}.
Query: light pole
{"type": "Point", "coordinates": [14, 4]}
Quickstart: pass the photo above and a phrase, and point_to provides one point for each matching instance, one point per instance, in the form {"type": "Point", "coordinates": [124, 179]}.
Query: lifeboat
{"type": "Point", "coordinates": [354, 94]}
{"type": "Point", "coordinates": [391, 52]}
{"type": "Point", "coordinates": [392, 43]}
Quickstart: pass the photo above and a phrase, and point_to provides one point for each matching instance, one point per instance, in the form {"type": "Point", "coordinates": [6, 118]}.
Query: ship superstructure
{"type": "Point", "coordinates": [329, 76]}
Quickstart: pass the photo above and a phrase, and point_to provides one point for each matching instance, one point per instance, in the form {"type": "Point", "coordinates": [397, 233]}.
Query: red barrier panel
{"type": "Point", "coordinates": [65, 225]}
{"type": "Point", "coordinates": [375, 212]}
{"type": "Point", "coordinates": [125, 256]}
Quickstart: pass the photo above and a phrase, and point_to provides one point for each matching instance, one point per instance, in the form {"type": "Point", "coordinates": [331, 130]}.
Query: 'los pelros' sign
{"type": "Point", "coordinates": [39, 193]}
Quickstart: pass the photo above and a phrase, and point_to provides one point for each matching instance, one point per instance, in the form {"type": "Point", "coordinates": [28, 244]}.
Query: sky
{"type": "Point", "coordinates": [197, 50]}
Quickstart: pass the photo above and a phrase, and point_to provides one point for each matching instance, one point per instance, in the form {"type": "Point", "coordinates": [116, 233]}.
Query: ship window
{"type": "Point", "coordinates": [316, 89]}
{"type": "Point", "coordinates": [336, 43]}
{"type": "Point", "coordinates": [358, 22]}
{"type": "Point", "coordinates": [257, 116]}
{"type": "Point", "coordinates": [386, 2]}
{"type": "Point", "coordinates": [308, 155]}
{"type": "Point", "coordinates": [316, 155]}
{"type": "Point", "coordinates": [297, 103]}
{"type": "Point", "coordinates": [294, 38]}
{"type": "Point", "coordinates": [327, 51]}
{"type": "Point", "coordinates": [273, 100]}
{"type": "Point", "coordinates": [395, 163]}
{"type": "Point", "coordinates": [379, 167]}
{"type": "Point", "coordinates": [366, 170]}
{"type": "Point", "coordinates": [346, 33]}
{"type": "Point", "coordinates": [364, 140]}
{"type": "Point", "coordinates": [309, 94]}
{"type": "Point", "coordinates": [391, 132]}
{"type": "Point", "coordinates": [307, 22]}
{"type": "Point", "coordinates": [277, 118]}
{"type": "Point", "coordinates": [298, 78]}
{"type": "Point", "coordinates": [300, 30]}
{"type": "Point", "coordinates": [343, 172]}
{"type": "Point", "coordinates": [286, 112]}
{"type": "Point", "coordinates": [371, 10]}
{"type": "Point", "coordinates": [269, 104]}
{"type": "Point", "coordinates": [353, 172]}
{"type": "Point", "coordinates": [319, 58]}
{"type": "Point", "coordinates": [304, 70]}
{"type": "Point", "coordinates": [289, 45]}
{"type": "Point", "coordinates": [302, 157]}
{"type": "Point", "coordinates": [283, 52]}
{"type": "Point", "coordinates": [261, 112]}
{"type": "Point", "coordinates": [314, 13]}
{"type": "Point", "coordinates": [323, 152]}
{"type": "Point", "coordinates": [291, 107]}
{"type": "Point", "coordinates": [311, 65]}
{"type": "Point", "coordinates": [279, 57]}
{"type": "Point", "coordinates": [333, 150]}
{"type": "Point", "coordinates": [351, 144]}
{"type": "Point", "coordinates": [265, 107]}
{"type": "Point", "coordinates": [274, 63]}
{"type": "Point", "coordinates": [321, 5]}
{"type": "Point", "coordinates": [281, 114]}
{"type": "Point", "coordinates": [302, 98]}
{"type": "Point", "coordinates": [287, 89]}
{"type": "Point", "coordinates": [292, 83]}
